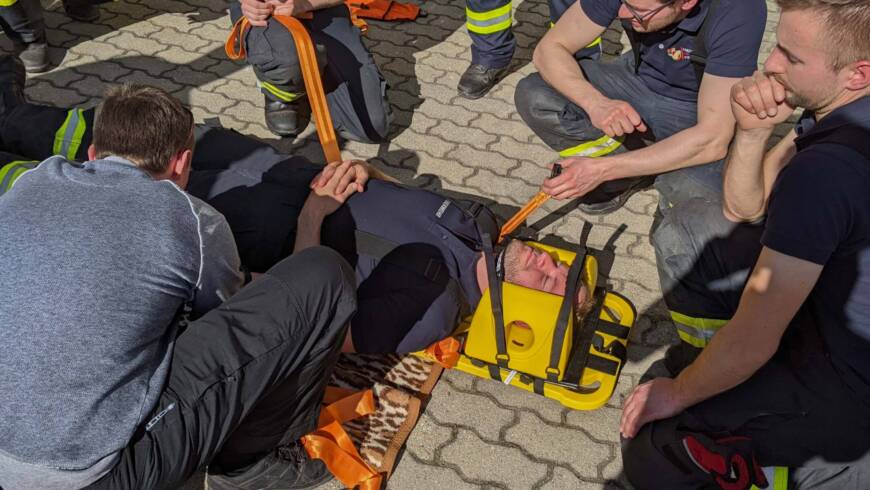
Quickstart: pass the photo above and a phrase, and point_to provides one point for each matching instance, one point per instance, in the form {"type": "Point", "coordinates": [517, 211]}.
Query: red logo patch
{"type": "Point", "coordinates": [679, 54]}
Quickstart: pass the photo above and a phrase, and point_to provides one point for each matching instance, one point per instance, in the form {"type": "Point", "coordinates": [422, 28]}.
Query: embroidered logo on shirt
{"type": "Point", "coordinates": [679, 54]}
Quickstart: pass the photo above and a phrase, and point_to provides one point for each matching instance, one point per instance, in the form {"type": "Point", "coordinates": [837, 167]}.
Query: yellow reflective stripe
{"type": "Point", "coordinates": [280, 94]}
{"type": "Point", "coordinates": [490, 21]}
{"type": "Point", "coordinates": [7, 3]}
{"type": "Point", "coordinates": [489, 14]}
{"type": "Point", "coordinates": [15, 176]}
{"type": "Point", "coordinates": [10, 172]}
{"type": "Point", "coordinates": [689, 339]}
{"type": "Point", "coordinates": [68, 138]}
{"type": "Point", "coordinates": [596, 148]}
{"type": "Point", "coordinates": [777, 478]}
{"type": "Point", "coordinates": [594, 43]}
{"type": "Point", "coordinates": [696, 331]}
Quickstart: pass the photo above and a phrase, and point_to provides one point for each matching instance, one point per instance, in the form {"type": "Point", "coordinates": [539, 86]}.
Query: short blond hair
{"type": "Point", "coordinates": [847, 27]}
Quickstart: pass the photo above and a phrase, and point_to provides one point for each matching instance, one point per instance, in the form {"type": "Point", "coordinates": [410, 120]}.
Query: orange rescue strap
{"type": "Point", "coordinates": [235, 49]}
{"type": "Point", "coordinates": [383, 10]}
{"type": "Point", "coordinates": [524, 212]}
{"type": "Point", "coordinates": [331, 443]}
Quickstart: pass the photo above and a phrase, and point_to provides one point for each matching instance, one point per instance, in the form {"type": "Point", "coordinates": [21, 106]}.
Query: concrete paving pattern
{"type": "Point", "coordinates": [475, 433]}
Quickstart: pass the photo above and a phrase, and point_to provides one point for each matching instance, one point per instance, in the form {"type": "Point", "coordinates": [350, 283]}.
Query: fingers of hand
{"type": "Point", "coordinates": [765, 90]}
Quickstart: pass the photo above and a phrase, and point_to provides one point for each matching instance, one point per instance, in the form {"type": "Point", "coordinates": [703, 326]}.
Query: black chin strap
{"type": "Point", "coordinates": [565, 311]}
{"type": "Point", "coordinates": [495, 298]}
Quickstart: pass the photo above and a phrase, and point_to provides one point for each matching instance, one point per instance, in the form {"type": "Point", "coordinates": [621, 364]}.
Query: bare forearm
{"type": "Point", "coordinates": [307, 230]}
{"type": "Point", "coordinates": [690, 147]}
{"type": "Point", "coordinates": [743, 181]}
{"type": "Point", "coordinates": [558, 68]}
{"type": "Point", "coordinates": [725, 363]}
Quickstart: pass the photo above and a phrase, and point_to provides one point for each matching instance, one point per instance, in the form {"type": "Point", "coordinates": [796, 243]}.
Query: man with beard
{"type": "Point", "coordinates": [785, 382]}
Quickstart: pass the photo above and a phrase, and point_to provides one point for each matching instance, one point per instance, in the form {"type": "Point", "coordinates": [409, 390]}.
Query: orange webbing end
{"type": "Point", "coordinates": [331, 444]}
{"type": "Point", "coordinates": [515, 221]}
{"type": "Point", "coordinates": [313, 86]}
{"type": "Point", "coordinates": [235, 49]}
{"type": "Point", "coordinates": [445, 352]}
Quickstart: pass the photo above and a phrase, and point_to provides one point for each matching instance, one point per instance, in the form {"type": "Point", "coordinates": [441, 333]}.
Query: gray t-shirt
{"type": "Point", "coordinates": [99, 260]}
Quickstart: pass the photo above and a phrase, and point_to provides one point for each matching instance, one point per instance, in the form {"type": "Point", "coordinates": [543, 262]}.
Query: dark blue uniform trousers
{"type": "Point", "coordinates": [247, 376]}
{"type": "Point", "coordinates": [356, 91]}
{"type": "Point", "coordinates": [566, 128]}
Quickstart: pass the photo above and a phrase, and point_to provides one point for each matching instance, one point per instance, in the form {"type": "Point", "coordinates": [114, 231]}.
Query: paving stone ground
{"type": "Point", "coordinates": [474, 433]}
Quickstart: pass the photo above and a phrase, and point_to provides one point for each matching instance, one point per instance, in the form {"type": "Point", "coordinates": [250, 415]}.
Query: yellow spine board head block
{"type": "Point", "coordinates": [530, 321]}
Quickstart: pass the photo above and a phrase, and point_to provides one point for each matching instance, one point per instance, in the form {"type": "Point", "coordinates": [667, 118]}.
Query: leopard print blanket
{"type": "Point", "coordinates": [401, 385]}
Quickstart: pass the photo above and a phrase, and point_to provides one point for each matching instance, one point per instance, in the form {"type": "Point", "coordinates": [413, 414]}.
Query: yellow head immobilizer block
{"type": "Point", "coordinates": [530, 320]}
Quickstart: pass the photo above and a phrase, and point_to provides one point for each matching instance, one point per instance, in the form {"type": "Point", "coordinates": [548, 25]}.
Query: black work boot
{"type": "Point", "coordinates": [81, 10]}
{"type": "Point", "coordinates": [287, 118]}
{"type": "Point", "coordinates": [33, 55]}
{"type": "Point", "coordinates": [597, 202]}
{"type": "Point", "coordinates": [288, 467]}
{"type": "Point", "coordinates": [12, 78]}
{"type": "Point", "coordinates": [478, 79]}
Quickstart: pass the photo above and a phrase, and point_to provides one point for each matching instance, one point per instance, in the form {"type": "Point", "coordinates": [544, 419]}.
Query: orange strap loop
{"type": "Point", "coordinates": [235, 49]}
{"type": "Point", "coordinates": [331, 444]}
{"type": "Point", "coordinates": [513, 223]}
{"type": "Point", "coordinates": [445, 352]}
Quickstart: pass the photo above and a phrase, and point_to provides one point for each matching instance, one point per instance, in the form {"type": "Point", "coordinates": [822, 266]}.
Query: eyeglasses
{"type": "Point", "coordinates": [641, 18]}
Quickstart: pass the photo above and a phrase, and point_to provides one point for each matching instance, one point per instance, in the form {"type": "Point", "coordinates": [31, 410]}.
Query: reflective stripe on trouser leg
{"type": "Point", "coordinates": [696, 331]}
{"type": "Point", "coordinates": [488, 22]}
{"type": "Point", "coordinates": [595, 148]}
{"type": "Point", "coordinates": [68, 138]}
{"type": "Point", "coordinates": [10, 172]}
{"type": "Point", "coordinates": [280, 94]}
{"type": "Point", "coordinates": [777, 478]}
{"type": "Point", "coordinates": [7, 3]}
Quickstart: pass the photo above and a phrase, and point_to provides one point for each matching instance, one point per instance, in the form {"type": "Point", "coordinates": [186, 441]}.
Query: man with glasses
{"type": "Point", "coordinates": [666, 101]}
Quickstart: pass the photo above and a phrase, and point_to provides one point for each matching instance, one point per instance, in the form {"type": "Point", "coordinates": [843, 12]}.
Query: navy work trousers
{"type": "Point", "coordinates": [356, 91]}
{"type": "Point", "coordinates": [247, 376]}
{"type": "Point", "coordinates": [563, 125]}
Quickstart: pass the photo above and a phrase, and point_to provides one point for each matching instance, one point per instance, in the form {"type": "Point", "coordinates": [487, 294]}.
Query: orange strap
{"type": "Point", "coordinates": [445, 352]}
{"type": "Point", "coordinates": [513, 223]}
{"type": "Point", "coordinates": [331, 443]}
{"type": "Point", "coordinates": [235, 49]}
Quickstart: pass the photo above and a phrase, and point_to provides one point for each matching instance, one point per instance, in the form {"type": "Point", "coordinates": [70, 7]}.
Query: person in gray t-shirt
{"type": "Point", "coordinates": [106, 384]}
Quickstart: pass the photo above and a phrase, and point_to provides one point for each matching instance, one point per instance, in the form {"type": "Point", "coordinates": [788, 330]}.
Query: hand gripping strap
{"type": "Point", "coordinates": [235, 49]}
{"type": "Point", "coordinates": [495, 299]}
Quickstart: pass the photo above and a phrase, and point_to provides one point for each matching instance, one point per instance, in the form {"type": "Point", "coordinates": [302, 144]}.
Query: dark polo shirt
{"type": "Point", "coordinates": [732, 39]}
{"type": "Point", "coordinates": [820, 212]}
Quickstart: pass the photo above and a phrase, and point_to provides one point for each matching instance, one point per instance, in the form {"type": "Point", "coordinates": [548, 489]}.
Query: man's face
{"type": "Point", "coordinates": [801, 61]}
{"type": "Point", "coordinates": [656, 14]}
{"type": "Point", "coordinates": [536, 269]}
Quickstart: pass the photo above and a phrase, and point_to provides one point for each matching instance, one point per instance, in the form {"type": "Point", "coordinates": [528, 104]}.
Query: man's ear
{"type": "Point", "coordinates": [858, 76]}
{"type": "Point", "coordinates": [92, 153]}
{"type": "Point", "coordinates": [179, 167]}
{"type": "Point", "coordinates": [688, 5]}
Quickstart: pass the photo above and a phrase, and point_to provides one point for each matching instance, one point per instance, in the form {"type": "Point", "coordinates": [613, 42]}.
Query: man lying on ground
{"type": "Point", "coordinates": [785, 382]}
{"type": "Point", "coordinates": [105, 382]}
{"type": "Point", "coordinates": [417, 254]}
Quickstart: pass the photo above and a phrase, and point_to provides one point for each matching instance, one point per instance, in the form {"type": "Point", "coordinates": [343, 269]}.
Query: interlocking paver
{"type": "Point", "coordinates": [475, 433]}
{"type": "Point", "coordinates": [482, 461]}
{"type": "Point", "coordinates": [453, 407]}
{"type": "Point", "coordinates": [571, 447]}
